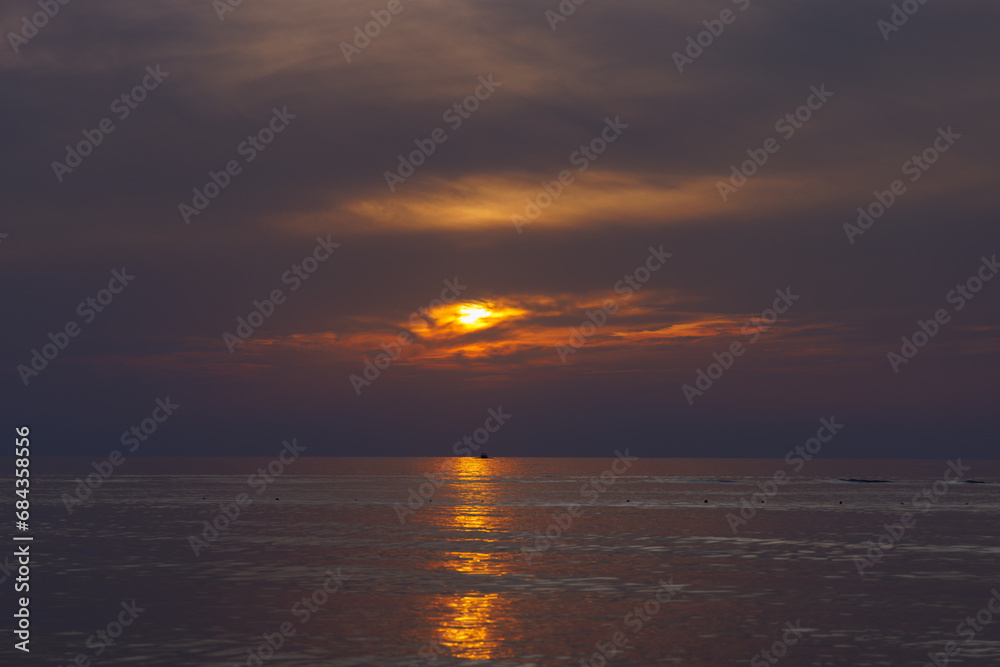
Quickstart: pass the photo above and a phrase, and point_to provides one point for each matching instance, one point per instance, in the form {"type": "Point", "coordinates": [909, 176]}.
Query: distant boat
{"type": "Point", "coordinates": [484, 455]}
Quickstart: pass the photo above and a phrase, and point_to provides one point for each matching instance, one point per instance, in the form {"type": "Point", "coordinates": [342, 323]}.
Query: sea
{"type": "Point", "coordinates": [618, 560]}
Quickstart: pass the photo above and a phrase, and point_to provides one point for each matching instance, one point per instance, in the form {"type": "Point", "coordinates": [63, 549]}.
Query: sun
{"type": "Point", "coordinates": [470, 315]}
{"type": "Point", "coordinates": [459, 319]}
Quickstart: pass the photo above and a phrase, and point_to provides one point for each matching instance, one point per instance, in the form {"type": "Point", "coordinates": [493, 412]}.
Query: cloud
{"type": "Point", "coordinates": [656, 184]}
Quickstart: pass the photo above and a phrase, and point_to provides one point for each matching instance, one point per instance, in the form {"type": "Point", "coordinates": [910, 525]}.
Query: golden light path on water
{"type": "Point", "coordinates": [474, 630]}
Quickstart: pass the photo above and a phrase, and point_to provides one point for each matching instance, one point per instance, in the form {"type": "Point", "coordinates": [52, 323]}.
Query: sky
{"type": "Point", "coordinates": [564, 217]}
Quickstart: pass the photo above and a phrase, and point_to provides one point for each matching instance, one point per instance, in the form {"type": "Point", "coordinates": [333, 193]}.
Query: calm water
{"type": "Point", "coordinates": [454, 583]}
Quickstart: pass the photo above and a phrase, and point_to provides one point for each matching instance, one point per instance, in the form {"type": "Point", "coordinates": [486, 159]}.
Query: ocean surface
{"type": "Point", "coordinates": [364, 561]}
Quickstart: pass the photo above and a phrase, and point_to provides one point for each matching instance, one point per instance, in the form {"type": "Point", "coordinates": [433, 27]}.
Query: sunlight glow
{"type": "Point", "coordinates": [470, 315]}
{"type": "Point", "coordinates": [458, 319]}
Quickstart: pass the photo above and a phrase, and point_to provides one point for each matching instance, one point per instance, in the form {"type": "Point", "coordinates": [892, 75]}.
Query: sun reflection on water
{"type": "Point", "coordinates": [472, 626]}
